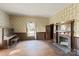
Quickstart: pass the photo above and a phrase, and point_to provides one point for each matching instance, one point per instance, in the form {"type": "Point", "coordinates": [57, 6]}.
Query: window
{"type": "Point", "coordinates": [31, 29]}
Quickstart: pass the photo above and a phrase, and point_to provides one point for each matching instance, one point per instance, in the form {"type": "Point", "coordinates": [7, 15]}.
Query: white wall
{"type": "Point", "coordinates": [4, 22]}
{"type": "Point", "coordinates": [4, 19]}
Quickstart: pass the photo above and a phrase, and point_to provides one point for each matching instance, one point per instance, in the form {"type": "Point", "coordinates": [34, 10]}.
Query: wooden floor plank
{"type": "Point", "coordinates": [31, 48]}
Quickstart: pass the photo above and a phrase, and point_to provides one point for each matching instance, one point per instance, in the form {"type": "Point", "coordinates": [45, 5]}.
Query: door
{"type": "Point", "coordinates": [48, 32]}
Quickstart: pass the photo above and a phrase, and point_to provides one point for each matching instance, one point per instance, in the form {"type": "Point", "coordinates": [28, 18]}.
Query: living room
{"type": "Point", "coordinates": [40, 24]}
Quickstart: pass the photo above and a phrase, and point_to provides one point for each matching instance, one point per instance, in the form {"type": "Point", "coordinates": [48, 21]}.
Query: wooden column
{"type": "Point", "coordinates": [56, 33]}
{"type": "Point", "coordinates": [51, 31]}
{"type": "Point", "coordinates": [72, 36]}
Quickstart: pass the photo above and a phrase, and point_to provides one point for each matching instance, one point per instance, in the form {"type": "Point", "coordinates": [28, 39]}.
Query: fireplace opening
{"type": "Point", "coordinates": [63, 41]}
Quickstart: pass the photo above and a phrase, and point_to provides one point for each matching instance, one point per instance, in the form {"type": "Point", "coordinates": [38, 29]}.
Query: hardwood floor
{"type": "Point", "coordinates": [31, 48]}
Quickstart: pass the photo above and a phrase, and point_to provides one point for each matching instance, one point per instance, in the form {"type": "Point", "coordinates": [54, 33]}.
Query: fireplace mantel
{"type": "Point", "coordinates": [66, 30]}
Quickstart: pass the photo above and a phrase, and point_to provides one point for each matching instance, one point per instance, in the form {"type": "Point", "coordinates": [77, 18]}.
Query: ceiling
{"type": "Point", "coordinates": [32, 9]}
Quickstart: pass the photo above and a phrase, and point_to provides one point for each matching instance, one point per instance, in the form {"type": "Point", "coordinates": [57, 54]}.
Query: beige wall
{"type": "Point", "coordinates": [19, 23]}
{"type": "Point", "coordinates": [4, 19]}
{"type": "Point", "coordinates": [77, 21]}
{"type": "Point", "coordinates": [68, 13]}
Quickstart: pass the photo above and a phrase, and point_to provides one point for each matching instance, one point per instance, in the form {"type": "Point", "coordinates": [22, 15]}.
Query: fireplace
{"type": "Point", "coordinates": [65, 35]}
{"type": "Point", "coordinates": [64, 41]}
